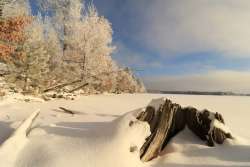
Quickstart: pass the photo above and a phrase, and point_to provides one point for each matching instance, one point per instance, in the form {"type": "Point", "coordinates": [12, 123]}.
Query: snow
{"type": "Point", "coordinates": [105, 133]}
{"type": "Point", "coordinates": [157, 103]}
{"type": "Point", "coordinates": [13, 146]}
{"type": "Point", "coordinates": [221, 126]}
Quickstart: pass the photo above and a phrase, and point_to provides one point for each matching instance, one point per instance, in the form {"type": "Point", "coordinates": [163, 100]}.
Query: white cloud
{"type": "Point", "coordinates": [186, 26]}
{"type": "Point", "coordinates": [212, 81]}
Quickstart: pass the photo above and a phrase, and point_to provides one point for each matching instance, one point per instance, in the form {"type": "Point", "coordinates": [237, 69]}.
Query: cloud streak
{"type": "Point", "coordinates": [212, 81]}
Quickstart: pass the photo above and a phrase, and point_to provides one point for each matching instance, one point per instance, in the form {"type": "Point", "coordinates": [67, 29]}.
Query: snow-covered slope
{"type": "Point", "coordinates": [99, 137]}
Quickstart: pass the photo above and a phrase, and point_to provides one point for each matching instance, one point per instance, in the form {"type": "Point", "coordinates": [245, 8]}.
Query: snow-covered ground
{"type": "Point", "coordinates": [98, 137]}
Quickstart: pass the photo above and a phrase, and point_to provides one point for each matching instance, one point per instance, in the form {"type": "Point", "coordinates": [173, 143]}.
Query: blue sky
{"type": "Point", "coordinates": [126, 19]}
{"type": "Point", "coordinates": [185, 39]}
{"type": "Point", "coordinates": [202, 44]}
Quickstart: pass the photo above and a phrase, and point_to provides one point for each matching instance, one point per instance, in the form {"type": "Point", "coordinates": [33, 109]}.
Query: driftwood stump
{"type": "Point", "coordinates": [166, 119]}
{"type": "Point", "coordinates": [203, 124]}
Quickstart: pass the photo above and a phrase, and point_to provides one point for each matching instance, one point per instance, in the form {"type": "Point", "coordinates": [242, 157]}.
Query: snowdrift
{"type": "Point", "coordinates": [116, 143]}
{"type": "Point", "coordinates": [104, 135]}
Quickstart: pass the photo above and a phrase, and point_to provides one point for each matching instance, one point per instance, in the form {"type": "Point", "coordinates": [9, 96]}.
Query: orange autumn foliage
{"type": "Point", "coordinates": [11, 35]}
{"type": "Point", "coordinates": [5, 52]}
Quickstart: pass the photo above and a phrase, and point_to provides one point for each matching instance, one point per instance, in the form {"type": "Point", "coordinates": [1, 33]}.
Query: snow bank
{"type": "Point", "coordinates": [10, 149]}
{"type": "Point", "coordinates": [116, 144]}
{"type": "Point", "coordinates": [102, 135]}
{"type": "Point", "coordinates": [15, 97]}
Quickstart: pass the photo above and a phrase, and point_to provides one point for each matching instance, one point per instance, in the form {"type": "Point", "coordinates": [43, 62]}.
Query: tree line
{"type": "Point", "coordinates": [65, 41]}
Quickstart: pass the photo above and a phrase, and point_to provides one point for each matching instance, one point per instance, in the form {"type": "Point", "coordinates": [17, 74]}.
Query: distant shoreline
{"type": "Point", "coordinates": [198, 93]}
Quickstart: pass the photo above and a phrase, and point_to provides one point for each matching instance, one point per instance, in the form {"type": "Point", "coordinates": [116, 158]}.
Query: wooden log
{"type": "Point", "coordinates": [152, 117]}
{"type": "Point", "coordinates": [159, 135]}
{"type": "Point", "coordinates": [164, 123]}
{"type": "Point", "coordinates": [67, 111]}
{"type": "Point", "coordinates": [79, 87]}
{"type": "Point", "coordinates": [178, 123]}
{"type": "Point", "coordinates": [61, 85]}
{"type": "Point", "coordinates": [195, 122]}
{"type": "Point", "coordinates": [149, 116]}
{"type": "Point", "coordinates": [170, 118]}
{"type": "Point", "coordinates": [207, 125]}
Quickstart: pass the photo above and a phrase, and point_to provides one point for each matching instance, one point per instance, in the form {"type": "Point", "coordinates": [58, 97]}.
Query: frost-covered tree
{"type": "Point", "coordinates": [89, 40]}
{"type": "Point", "coordinates": [127, 82]}
{"type": "Point", "coordinates": [31, 72]}
{"type": "Point", "coordinates": [3, 3]}
{"type": "Point", "coordinates": [12, 27]}
{"type": "Point", "coordinates": [86, 37]}
{"type": "Point", "coordinates": [68, 41]}
{"type": "Point", "coordinates": [86, 40]}
{"type": "Point", "coordinates": [36, 46]}
{"type": "Point", "coordinates": [12, 8]}
{"type": "Point", "coordinates": [11, 36]}
{"type": "Point", "coordinates": [59, 10]}
{"type": "Point", "coordinates": [53, 45]}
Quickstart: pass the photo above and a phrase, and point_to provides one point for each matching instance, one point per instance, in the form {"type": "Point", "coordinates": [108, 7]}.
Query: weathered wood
{"type": "Point", "coordinates": [67, 111]}
{"type": "Point", "coordinates": [61, 85]}
{"type": "Point", "coordinates": [79, 87]}
{"type": "Point", "coordinates": [159, 135]}
{"type": "Point", "coordinates": [178, 123]}
{"type": "Point", "coordinates": [171, 118]}
{"type": "Point", "coordinates": [164, 124]}
{"type": "Point", "coordinates": [151, 116]}
{"type": "Point", "coordinates": [203, 124]}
